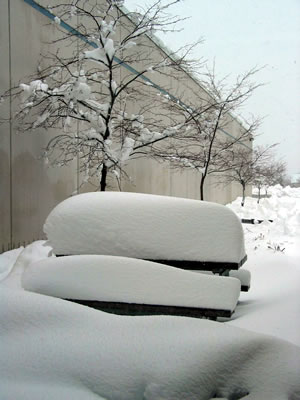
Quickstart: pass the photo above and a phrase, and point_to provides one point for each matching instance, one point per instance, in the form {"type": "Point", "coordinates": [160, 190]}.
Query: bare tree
{"type": "Point", "coordinates": [268, 174]}
{"type": "Point", "coordinates": [204, 142]}
{"type": "Point", "coordinates": [245, 165]}
{"type": "Point", "coordinates": [82, 88]}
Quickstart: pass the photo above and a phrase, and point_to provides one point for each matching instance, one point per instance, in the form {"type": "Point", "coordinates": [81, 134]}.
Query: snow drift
{"type": "Point", "coordinates": [52, 349]}
{"type": "Point", "coordinates": [145, 226]}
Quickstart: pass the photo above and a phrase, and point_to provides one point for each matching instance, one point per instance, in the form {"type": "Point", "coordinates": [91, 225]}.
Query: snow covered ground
{"type": "Point", "coordinates": [272, 305]}
{"type": "Point", "coordinates": [53, 349]}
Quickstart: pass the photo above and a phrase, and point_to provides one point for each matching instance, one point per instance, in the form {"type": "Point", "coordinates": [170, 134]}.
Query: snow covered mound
{"type": "Point", "coordinates": [282, 207]}
{"type": "Point", "coordinates": [145, 226]}
{"type": "Point", "coordinates": [52, 349]}
{"type": "Point", "coordinates": [127, 280]}
{"type": "Point", "coordinates": [287, 191]}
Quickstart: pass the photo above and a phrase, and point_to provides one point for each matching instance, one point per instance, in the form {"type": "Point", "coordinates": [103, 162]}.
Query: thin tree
{"type": "Point", "coordinates": [269, 174]}
{"type": "Point", "coordinates": [83, 87]}
{"type": "Point", "coordinates": [204, 142]}
{"type": "Point", "coordinates": [245, 165]}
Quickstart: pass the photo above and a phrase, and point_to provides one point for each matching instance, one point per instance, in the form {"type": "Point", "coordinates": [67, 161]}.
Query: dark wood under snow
{"type": "Point", "coordinates": [121, 308]}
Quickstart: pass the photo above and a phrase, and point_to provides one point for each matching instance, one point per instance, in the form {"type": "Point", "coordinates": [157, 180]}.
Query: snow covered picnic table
{"type": "Point", "coordinates": [123, 240]}
{"type": "Point", "coordinates": [53, 349]}
{"type": "Point", "coordinates": [183, 233]}
{"type": "Point", "coordinates": [128, 286]}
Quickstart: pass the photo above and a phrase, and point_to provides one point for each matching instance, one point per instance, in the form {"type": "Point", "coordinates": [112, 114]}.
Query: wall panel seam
{"type": "Point", "coordinates": [10, 124]}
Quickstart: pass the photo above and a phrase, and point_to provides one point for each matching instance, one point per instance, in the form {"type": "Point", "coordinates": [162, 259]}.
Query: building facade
{"type": "Point", "coordinates": [29, 189]}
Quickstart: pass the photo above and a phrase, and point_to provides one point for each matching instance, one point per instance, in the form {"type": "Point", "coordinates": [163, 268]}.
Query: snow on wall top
{"type": "Point", "coordinates": [127, 280]}
{"type": "Point", "coordinates": [145, 226]}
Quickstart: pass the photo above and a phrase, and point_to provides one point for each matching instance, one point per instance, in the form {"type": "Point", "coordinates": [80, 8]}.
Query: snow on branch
{"type": "Point", "coordinates": [85, 83]}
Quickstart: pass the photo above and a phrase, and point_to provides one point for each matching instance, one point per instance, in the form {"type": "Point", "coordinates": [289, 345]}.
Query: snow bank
{"type": "Point", "coordinates": [145, 226]}
{"type": "Point", "coordinates": [7, 261]}
{"type": "Point", "coordinates": [20, 259]}
{"type": "Point", "coordinates": [283, 207]}
{"type": "Point", "coordinates": [54, 349]}
{"type": "Point", "coordinates": [120, 279]}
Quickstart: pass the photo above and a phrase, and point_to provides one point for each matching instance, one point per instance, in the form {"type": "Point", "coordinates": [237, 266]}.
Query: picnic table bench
{"type": "Point", "coordinates": [182, 233]}
{"type": "Point", "coordinates": [132, 286]}
{"type": "Point", "coordinates": [254, 221]}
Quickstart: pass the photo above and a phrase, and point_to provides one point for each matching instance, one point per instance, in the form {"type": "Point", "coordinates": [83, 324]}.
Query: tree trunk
{"type": "Point", "coordinates": [243, 198]}
{"type": "Point", "coordinates": [103, 178]}
{"type": "Point", "coordinates": [202, 187]}
{"type": "Point", "coordinates": [258, 199]}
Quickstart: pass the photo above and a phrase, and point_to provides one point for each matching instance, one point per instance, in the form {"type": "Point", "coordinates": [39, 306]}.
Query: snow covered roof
{"type": "Point", "coordinates": [145, 226]}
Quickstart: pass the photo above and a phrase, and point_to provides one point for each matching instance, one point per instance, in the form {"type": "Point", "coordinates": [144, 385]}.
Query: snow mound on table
{"type": "Point", "coordinates": [120, 279]}
{"type": "Point", "coordinates": [54, 349]}
{"type": "Point", "coordinates": [145, 226]}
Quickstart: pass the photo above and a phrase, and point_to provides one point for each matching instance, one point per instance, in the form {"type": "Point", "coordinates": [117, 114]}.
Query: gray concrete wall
{"type": "Point", "coordinates": [29, 189]}
{"type": "Point", "coordinates": [5, 134]}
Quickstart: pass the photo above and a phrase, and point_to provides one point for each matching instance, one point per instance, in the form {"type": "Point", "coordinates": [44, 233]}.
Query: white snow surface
{"type": "Point", "coordinates": [283, 207]}
{"type": "Point", "coordinates": [272, 305]}
{"type": "Point", "coordinates": [127, 280]}
{"type": "Point", "coordinates": [52, 349]}
{"type": "Point", "coordinates": [7, 261]}
{"type": "Point", "coordinates": [243, 274]}
{"type": "Point", "coordinates": [19, 259]}
{"type": "Point", "coordinates": [145, 226]}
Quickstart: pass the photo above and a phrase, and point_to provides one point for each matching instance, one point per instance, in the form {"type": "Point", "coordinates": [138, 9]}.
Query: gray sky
{"type": "Point", "coordinates": [239, 35]}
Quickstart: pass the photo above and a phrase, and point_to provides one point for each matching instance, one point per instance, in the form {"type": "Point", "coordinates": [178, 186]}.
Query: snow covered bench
{"type": "Point", "coordinates": [133, 287]}
{"type": "Point", "coordinates": [243, 275]}
{"type": "Point", "coordinates": [188, 234]}
{"type": "Point", "coordinates": [254, 221]}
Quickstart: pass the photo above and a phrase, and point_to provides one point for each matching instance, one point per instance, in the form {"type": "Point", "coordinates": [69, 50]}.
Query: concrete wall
{"type": "Point", "coordinates": [28, 188]}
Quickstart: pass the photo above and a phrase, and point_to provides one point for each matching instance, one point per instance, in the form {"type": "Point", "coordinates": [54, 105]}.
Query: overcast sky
{"type": "Point", "coordinates": [239, 35]}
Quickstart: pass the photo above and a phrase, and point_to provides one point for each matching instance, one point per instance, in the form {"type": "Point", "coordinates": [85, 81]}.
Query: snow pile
{"type": "Point", "coordinates": [7, 261]}
{"type": "Point", "coordinates": [127, 280]}
{"type": "Point", "coordinates": [283, 207]}
{"type": "Point", "coordinates": [272, 305]}
{"type": "Point", "coordinates": [54, 349]}
{"type": "Point", "coordinates": [279, 191]}
{"type": "Point", "coordinates": [19, 259]}
{"type": "Point", "coordinates": [145, 226]}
